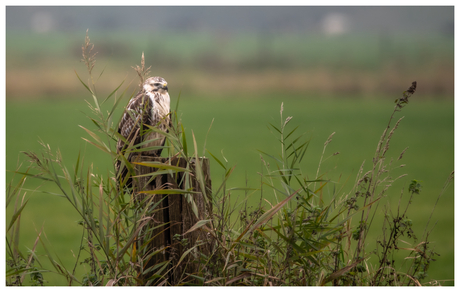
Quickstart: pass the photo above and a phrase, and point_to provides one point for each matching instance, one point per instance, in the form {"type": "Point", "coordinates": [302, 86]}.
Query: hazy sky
{"type": "Point", "coordinates": [304, 19]}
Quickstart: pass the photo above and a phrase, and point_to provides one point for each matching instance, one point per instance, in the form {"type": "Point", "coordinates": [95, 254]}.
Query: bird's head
{"type": "Point", "coordinates": [156, 84]}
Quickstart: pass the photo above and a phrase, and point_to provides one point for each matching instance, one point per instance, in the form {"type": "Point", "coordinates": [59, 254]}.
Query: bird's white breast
{"type": "Point", "coordinates": [161, 106]}
{"type": "Point", "coordinates": [159, 113]}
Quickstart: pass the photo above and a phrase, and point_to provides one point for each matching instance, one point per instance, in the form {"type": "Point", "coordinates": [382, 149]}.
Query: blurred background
{"type": "Point", "coordinates": [336, 69]}
{"type": "Point", "coordinates": [340, 50]}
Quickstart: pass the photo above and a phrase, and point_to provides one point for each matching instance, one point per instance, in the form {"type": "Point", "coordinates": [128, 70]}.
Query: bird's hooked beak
{"type": "Point", "coordinates": [165, 86]}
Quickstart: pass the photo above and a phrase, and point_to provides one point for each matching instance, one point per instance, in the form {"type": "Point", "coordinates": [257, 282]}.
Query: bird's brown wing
{"type": "Point", "coordinates": [131, 127]}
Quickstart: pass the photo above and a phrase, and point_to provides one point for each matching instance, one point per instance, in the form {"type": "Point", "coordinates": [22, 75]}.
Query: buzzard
{"type": "Point", "coordinates": [149, 107]}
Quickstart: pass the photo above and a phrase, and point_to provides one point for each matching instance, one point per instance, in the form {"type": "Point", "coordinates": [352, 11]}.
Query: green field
{"type": "Point", "coordinates": [239, 130]}
{"type": "Point", "coordinates": [208, 63]}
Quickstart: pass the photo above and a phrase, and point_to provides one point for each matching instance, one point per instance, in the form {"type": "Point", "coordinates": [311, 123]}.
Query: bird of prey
{"type": "Point", "coordinates": [150, 106]}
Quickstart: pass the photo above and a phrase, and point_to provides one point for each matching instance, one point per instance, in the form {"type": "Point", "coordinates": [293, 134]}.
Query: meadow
{"type": "Point", "coordinates": [239, 129]}
{"type": "Point", "coordinates": [231, 90]}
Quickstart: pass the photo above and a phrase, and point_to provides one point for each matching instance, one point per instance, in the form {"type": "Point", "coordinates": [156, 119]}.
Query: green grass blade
{"type": "Point", "coordinates": [16, 215]}
{"type": "Point", "coordinates": [112, 93]}
{"type": "Point", "coordinates": [162, 166]}
{"type": "Point", "coordinates": [168, 192]}
{"type": "Point", "coordinates": [84, 84]}
{"type": "Point", "coordinates": [217, 160]}
{"type": "Point", "coordinates": [198, 225]}
{"type": "Point", "coordinates": [184, 141]}
{"type": "Point", "coordinates": [270, 213]}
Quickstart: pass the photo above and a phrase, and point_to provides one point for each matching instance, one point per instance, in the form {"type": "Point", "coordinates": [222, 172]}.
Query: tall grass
{"type": "Point", "coordinates": [306, 236]}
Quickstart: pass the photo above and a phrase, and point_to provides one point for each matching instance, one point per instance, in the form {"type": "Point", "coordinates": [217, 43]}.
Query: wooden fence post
{"type": "Point", "coordinates": [170, 216]}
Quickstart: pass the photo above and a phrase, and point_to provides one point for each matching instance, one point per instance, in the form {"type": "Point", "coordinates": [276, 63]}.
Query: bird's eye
{"type": "Point", "coordinates": [156, 84]}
